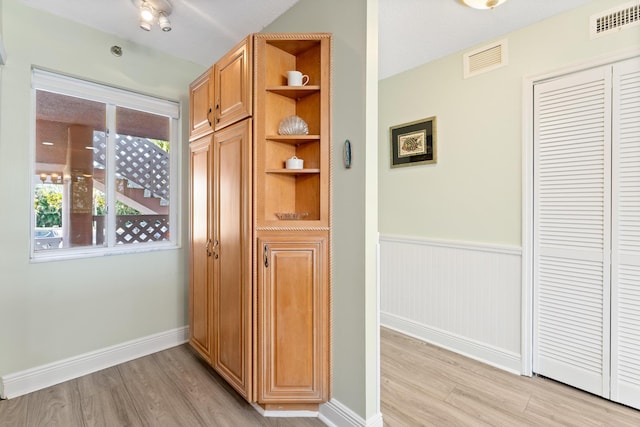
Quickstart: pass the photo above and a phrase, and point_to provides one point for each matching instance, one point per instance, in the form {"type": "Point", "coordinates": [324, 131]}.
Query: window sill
{"type": "Point", "coordinates": [80, 253]}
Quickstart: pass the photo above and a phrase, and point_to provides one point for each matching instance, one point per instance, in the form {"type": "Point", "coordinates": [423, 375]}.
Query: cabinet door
{"type": "Point", "coordinates": [293, 323]}
{"type": "Point", "coordinates": [200, 105]}
{"type": "Point", "coordinates": [200, 262]}
{"type": "Point", "coordinates": [232, 76]}
{"type": "Point", "coordinates": [232, 304]}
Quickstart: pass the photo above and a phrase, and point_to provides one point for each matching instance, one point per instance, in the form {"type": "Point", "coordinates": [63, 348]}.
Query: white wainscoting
{"type": "Point", "coordinates": [462, 296]}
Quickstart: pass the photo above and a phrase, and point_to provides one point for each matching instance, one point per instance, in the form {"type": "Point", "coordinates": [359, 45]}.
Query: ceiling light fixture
{"type": "Point", "coordinates": [146, 12]}
{"type": "Point", "coordinates": [152, 11]}
{"type": "Point", "coordinates": [163, 21]}
{"type": "Point", "coordinates": [483, 4]}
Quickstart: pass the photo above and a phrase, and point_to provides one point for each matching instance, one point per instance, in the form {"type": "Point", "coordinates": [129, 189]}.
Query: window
{"type": "Point", "coordinates": [104, 168]}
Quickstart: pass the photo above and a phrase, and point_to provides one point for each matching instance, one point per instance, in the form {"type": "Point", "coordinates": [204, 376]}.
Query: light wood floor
{"type": "Point", "coordinates": [169, 388]}
{"type": "Point", "coordinates": [423, 385]}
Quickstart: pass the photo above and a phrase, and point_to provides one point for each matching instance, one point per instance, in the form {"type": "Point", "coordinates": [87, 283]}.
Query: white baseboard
{"type": "Point", "coordinates": [20, 383]}
{"type": "Point", "coordinates": [335, 414]}
{"type": "Point", "coordinates": [332, 413]}
{"type": "Point", "coordinates": [493, 356]}
{"type": "Point", "coordinates": [284, 414]}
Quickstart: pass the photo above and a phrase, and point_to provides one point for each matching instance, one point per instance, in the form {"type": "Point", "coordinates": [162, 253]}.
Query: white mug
{"type": "Point", "coordinates": [296, 78]}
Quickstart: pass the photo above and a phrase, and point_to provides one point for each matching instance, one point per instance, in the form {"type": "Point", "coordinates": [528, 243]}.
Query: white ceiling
{"type": "Point", "coordinates": [411, 32]}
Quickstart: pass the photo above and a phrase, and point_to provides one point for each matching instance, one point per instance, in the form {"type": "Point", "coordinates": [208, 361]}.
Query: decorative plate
{"type": "Point", "coordinates": [291, 215]}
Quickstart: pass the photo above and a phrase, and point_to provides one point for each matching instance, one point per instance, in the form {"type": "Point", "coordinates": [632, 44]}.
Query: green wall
{"type": "Point", "coordinates": [354, 27]}
{"type": "Point", "coordinates": [474, 192]}
{"type": "Point", "coordinates": [54, 310]}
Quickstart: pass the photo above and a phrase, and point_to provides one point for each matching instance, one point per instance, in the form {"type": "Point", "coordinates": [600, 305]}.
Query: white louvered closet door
{"type": "Point", "coordinates": [571, 220]}
{"type": "Point", "coordinates": [587, 230]}
{"type": "Point", "coordinates": [625, 320]}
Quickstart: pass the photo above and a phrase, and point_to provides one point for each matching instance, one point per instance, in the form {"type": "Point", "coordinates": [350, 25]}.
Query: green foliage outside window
{"type": "Point", "coordinates": [48, 206]}
{"type": "Point", "coordinates": [121, 209]}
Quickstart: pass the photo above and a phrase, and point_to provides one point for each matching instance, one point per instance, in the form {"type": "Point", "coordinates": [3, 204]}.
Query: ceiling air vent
{"type": "Point", "coordinates": [485, 59]}
{"type": "Point", "coordinates": [616, 19]}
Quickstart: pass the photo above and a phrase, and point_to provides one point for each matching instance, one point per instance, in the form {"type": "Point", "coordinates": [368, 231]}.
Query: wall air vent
{"type": "Point", "coordinates": [616, 19]}
{"type": "Point", "coordinates": [485, 59]}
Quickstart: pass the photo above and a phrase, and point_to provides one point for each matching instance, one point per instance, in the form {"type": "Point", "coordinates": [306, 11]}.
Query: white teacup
{"type": "Point", "coordinates": [296, 78]}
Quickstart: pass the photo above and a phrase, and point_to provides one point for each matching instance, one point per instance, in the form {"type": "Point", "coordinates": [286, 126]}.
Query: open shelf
{"type": "Point", "coordinates": [292, 190]}
{"type": "Point", "coordinates": [294, 92]}
{"type": "Point", "coordinates": [293, 139]}
{"type": "Point", "coordinates": [293, 171]}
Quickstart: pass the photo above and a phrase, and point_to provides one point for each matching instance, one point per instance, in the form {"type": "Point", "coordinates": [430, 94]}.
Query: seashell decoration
{"type": "Point", "coordinates": [293, 125]}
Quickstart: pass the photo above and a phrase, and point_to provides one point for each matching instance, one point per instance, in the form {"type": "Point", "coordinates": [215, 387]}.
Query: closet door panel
{"type": "Point", "coordinates": [625, 327]}
{"type": "Point", "coordinates": [572, 218]}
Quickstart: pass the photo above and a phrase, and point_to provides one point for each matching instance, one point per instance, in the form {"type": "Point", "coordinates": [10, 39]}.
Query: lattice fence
{"type": "Point", "coordinates": [141, 228]}
{"type": "Point", "coordinates": [138, 160]}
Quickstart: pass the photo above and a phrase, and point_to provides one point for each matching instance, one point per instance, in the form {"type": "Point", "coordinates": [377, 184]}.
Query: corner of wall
{"type": "Point", "coordinates": [334, 413]}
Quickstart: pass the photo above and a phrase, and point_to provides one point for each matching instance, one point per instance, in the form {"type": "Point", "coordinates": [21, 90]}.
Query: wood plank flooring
{"type": "Point", "coordinates": [424, 385]}
{"type": "Point", "coordinates": [421, 385]}
{"type": "Point", "coordinates": [169, 388]}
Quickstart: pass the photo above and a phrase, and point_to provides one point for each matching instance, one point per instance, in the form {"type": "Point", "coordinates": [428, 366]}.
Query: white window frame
{"type": "Point", "coordinates": [111, 97]}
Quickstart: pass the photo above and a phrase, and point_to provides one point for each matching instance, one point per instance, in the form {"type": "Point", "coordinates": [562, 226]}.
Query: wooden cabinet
{"type": "Point", "coordinates": [232, 249]}
{"type": "Point", "coordinates": [292, 221]}
{"type": "Point", "coordinates": [201, 105]}
{"type": "Point", "coordinates": [293, 309]}
{"type": "Point", "coordinates": [232, 85]}
{"type": "Point", "coordinates": [263, 231]}
{"type": "Point", "coordinates": [200, 201]}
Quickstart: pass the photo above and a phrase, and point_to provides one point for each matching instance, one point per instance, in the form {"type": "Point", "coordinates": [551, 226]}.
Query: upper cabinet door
{"type": "Point", "coordinates": [201, 106]}
{"type": "Point", "coordinates": [232, 85]}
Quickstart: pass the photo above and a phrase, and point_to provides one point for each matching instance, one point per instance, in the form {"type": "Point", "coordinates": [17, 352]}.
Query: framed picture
{"type": "Point", "coordinates": [413, 143]}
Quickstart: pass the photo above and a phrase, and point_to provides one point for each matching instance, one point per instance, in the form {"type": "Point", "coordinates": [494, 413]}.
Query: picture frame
{"type": "Point", "coordinates": [413, 143]}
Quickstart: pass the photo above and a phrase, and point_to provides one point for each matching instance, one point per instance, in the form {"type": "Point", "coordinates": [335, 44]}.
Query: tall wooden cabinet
{"type": "Point", "coordinates": [232, 256]}
{"type": "Point", "coordinates": [260, 233]}
{"type": "Point", "coordinates": [200, 268]}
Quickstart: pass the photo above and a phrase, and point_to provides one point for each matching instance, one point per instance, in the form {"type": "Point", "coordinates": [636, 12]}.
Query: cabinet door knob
{"type": "Point", "coordinates": [208, 114]}
{"type": "Point", "coordinates": [215, 249]}
{"type": "Point", "coordinates": [206, 247]}
{"type": "Point", "coordinates": [266, 256]}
